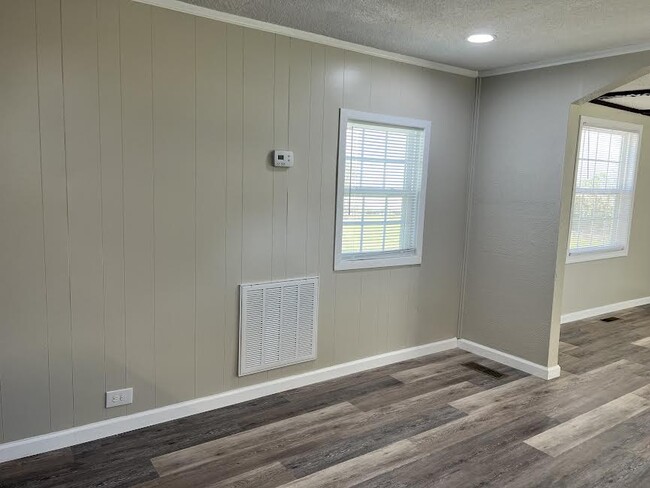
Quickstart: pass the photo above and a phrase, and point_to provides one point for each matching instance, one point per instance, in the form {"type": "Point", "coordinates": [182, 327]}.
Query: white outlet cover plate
{"type": "Point", "coordinates": [117, 398]}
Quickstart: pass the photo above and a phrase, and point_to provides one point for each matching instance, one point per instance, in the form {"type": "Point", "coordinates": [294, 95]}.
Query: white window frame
{"type": "Point", "coordinates": [599, 253]}
{"type": "Point", "coordinates": [386, 261]}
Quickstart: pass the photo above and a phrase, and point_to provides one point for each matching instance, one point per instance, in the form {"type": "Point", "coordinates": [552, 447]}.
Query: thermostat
{"type": "Point", "coordinates": [282, 159]}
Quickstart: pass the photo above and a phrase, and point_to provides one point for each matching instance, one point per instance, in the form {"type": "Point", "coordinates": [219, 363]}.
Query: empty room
{"type": "Point", "coordinates": [292, 243]}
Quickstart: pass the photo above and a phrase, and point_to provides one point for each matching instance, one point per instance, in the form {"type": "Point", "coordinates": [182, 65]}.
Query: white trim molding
{"type": "Point", "coordinates": [605, 309]}
{"type": "Point", "coordinates": [209, 13]}
{"type": "Point", "coordinates": [628, 171]}
{"type": "Point", "coordinates": [106, 428]}
{"type": "Point", "coordinates": [585, 257]}
{"type": "Point", "coordinates": [119, 425]}
{"type": "Point", "coordinates": [544, 372]}
{"type": "Point", "coordinates": [578, 58]}
{"type": "Point", "coordinates": [381, 259]}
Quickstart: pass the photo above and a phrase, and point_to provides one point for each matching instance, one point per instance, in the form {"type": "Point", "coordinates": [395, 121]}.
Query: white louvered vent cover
{"type": "Point", "coordinates": [278, 324]}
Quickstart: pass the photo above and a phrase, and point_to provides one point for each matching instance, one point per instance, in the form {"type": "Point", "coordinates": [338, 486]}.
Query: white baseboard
{"type": "Point", "coordinates": [106, 428]}
{"type": "Point", "coordinates": [595, 312]}
{"type": "Point", "coordinates": [85, 433]}
{"type": "Point", "coordinates": [545, 372]}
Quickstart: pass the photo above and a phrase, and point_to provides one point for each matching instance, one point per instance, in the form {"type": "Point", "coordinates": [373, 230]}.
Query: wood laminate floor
{"type": "Point", "coordinates": [447, 420]}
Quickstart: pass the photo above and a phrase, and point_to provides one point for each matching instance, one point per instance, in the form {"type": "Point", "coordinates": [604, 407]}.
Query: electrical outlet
{"type": "Point", "coordinates": [116, 398]}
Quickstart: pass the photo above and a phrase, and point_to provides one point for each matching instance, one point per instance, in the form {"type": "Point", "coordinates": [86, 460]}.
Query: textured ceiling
{"type": "Point", "coordinates": [527, 31]}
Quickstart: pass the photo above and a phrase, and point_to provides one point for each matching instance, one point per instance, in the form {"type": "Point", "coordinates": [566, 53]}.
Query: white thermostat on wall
{"type": "Point", "coordinates": [282, 159]}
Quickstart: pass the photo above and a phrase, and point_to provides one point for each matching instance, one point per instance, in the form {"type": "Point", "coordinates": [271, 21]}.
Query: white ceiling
{"type": "Point", "coordinates": [528, 31]}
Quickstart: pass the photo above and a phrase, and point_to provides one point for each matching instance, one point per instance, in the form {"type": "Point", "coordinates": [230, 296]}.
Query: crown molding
{"type": "Point", "coordinates": [578, 58]}
{"type": "Point", "coordinates": [208, 13]}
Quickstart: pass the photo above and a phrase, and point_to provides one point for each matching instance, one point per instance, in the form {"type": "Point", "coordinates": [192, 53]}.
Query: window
{"type": "Point", "coordinates": [382, 173]}
{"type": "Point", "coordinates": [603, 199]}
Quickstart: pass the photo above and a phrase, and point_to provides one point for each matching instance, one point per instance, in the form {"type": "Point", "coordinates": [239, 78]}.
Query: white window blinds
{"type": "Point", "coordinates": [603, 199]}
{"type": "Point", "coordinates": [380, 204]}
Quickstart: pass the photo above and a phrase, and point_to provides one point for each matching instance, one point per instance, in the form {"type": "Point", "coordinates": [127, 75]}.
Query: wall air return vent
{"type": "Point", "coordinates": [278, 323]}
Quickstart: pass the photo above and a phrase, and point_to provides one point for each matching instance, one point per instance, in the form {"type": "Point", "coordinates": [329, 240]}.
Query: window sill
{"type": "Point", "coordinates": [342, 264]}
{"type": "Point", "coordinates": [595, 256]}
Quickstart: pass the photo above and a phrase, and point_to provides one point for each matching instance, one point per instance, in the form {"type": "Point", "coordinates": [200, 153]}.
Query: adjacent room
{"type": "Point", "coordinates": [362, 243]}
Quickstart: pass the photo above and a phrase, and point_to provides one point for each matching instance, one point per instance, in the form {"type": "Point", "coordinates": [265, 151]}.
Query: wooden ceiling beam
{"type": "Point", "coordinates": [605, 103]}
{"type": "Point", "coordinates": [645, 92]}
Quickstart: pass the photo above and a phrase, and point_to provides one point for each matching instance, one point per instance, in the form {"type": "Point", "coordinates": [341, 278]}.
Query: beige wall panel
{"type": "Point", "coordinates": [110, 123]}
{"type": "Point", "coordinates": [594, 284]}
{"type": "Point", "coordinates": [298, 176]}
{"type": "Point", "coordinates": [257, 176]}
{"type": "Point", "coordinates": [79, 32]}
{"type": "Point", "coordinates": [429, 284]}
{"type": "Point", "coordinates": [382, 327]}
{"type": "Point", "coordinates": [386, 86]}
{"type": "Point", "coordinates": [234, 192]}
{"type": "Point", "coordinates": [174, 201]}
{"type": "Point", "coordinates": [280, 141]}
{"type": "Point", "coordinates": [317, 75]}
{"type": "Point", "coordinates": [357, 82]}
{"type": "Point", "coordinates": [332, 102]}
{"type": "Point", "coordinates": [412, 306]}
{"type": "Point", "coordinates": [137, 141]}
{"type": "Point", "coordinates": [442, 262]}
{"type": "Point", "coordinates": [23, 349]}
{"type": "Point", "coordinates": [371, 296]}
{"type": "Point", "coordinates": [155, 270]}
{"type": "Point", "coordinates": [398, 308]}
{"type": "Point", "coordinates": [401, 314]}
{"type": "Point", "coordinates": [317, 97]}
{"type": "Point", "coordinates": [346, 317]}
{"type": "Point", "coordinates": [431, 297]}
{"type": "Point", "coordinates": [210, 205]}
{"type": "Point", "coordinates": [55, 211]}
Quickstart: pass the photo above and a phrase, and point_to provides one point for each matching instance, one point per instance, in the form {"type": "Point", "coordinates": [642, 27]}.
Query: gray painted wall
{"type": "Point", "coordinates": [593, 284]}
{"type": "Point", "coordinates": [135, 196]}
{"type": "Point", "coordinates": [519, 213]}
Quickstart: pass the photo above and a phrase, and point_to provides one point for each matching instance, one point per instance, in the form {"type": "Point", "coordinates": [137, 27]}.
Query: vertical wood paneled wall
{"type": "Point", "coordinates": [136, 195]}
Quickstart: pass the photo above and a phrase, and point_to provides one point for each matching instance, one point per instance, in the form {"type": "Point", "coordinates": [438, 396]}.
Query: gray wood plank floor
{"type": "Point", "coordinates": [447, 420]}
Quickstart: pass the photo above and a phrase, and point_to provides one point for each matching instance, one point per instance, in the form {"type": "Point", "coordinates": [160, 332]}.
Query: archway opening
{"type": "Point", "coordinates": [603, 261]}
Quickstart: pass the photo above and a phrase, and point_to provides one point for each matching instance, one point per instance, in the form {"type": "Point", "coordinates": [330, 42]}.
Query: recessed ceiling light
{"type": "Point", "coordinates": [480, 38]}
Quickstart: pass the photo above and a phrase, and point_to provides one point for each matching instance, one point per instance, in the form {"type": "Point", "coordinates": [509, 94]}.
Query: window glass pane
{"type": "Point", "coordinates": [382, 189]}
{"type": "Point", "coordinates": [604, 188]}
